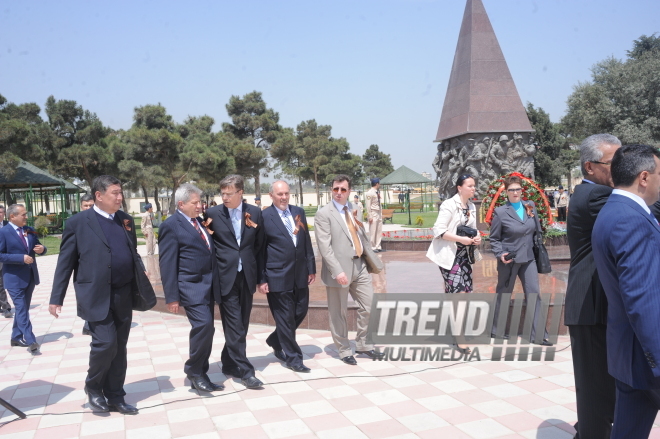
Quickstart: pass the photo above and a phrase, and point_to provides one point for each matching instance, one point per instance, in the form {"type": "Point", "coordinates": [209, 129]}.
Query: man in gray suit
{"type": "Point", "coordinates": [344, 270]}
{"type": "Point", "coordinates": [586, 305]}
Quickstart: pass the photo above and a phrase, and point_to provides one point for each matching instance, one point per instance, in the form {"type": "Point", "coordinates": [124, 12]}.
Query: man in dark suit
{"type": "Point", "coordinates": [625, 240]}
{"type": "Point", "coordinates": [289, 268]}
{"type": "Point", "coordinates": [86, 202]}
{"type": "Point", "coordinates": [99, 247]}
{"type": "Point", "coordinates": [190, 276]}
{"type": "Point", "coordinates": [238, 236]}
{"type": "Point", "coordinates": [18, 245]}
{"type": "Point", "coordinates": [5, 306]}
{"type": "Point", "coordinates": [586, 305]}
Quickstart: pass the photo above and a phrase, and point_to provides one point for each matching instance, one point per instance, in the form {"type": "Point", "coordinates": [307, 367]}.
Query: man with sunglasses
{"type": "Point", "coordinates": [344, 270]}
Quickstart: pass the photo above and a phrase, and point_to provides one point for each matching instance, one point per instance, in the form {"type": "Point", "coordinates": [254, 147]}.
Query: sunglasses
{"type": "Point", "coordinates": [337, 189]}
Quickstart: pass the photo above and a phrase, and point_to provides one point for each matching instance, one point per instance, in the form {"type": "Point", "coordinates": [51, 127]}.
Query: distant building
{"type": "Point", "coordinates": [426, 174]}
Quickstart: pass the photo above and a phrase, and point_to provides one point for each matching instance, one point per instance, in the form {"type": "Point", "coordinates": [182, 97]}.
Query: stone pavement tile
{"type": "Point", "coordinates": [387, 396]}
{"type": "Point", "coordinates": [235, 420]}
{"type": "Point", "coordinates": [459, 415]}
{"type": "Point", "coordinates": [403, 408]}
{"type": "Point", "coordinates": [61, 432]}
{"type": "Point", "coordinates": [555, 414]}
{"type": "Point", "coordinates": [327, 422]}
{"type": "Point", "coordinates": [484, 429]}
{"type": "Point", "coordinates": [154, 432]}
{"type": "Point", "coordinates": [275, 415]}
{"type": "Point", "coordinates": [32, 401]}
{"type": "Point", "coordinates": [371, 386]}
{"type": "Point", "coordinates": [506, 390]}
{"type": "Point", "coordinates": [439, 402]}
{"type": "Point", "coordinates": [285, 429]}
{"type": "Point", "coordinates": [384, 429]}
{"type": "Point", "coordinates": [563, 380]}
{"type": "Point", "coordinates": [192, 428]}
{"type": "Point", "coordinates": [512, 376]}
{"type": "Point", "coordinates": [177, 415]}
{"type": "Point", "coordinates": [366, 415]}
{"type": "Point", "coordinates": [110, 425]}
{"type": "Point", "coordinates": [342, 433]}
{"type": "Point", "coordinates": [520, 421]}
{"type": "Point", "coordinates": [265, 402]}
{"type": "Point", "coordinates": [28, 425]}
{"type": "Point", "coordinates": [339, 391]}
{"type": "Point", "coordinates": [546, 433]}
{"type": "Point", "coordinates": [558, 396]}
{"type": "Point", "coordinates": [422, 421]}
{"type": "Point", "coordinates": [453, 385]}
{"type": "Point", "coordinates": [529, 401]}
{"type": "Point", "coordinates": [350, 403]}
{"type": "Point", "coordinates": [473, 396]}
{"type": "Point", "coordinates": [57, 420]}
{"type": "Point", "coordinates": [538, 385]}
{"type": "Point", "coordinates": [114, 435]}
{"type": "Point", "coordinates": [309, 396]}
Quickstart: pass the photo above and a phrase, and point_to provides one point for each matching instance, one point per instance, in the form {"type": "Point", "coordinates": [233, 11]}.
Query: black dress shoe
{"type": "Point", "coordinates": [252, 383]}
{"type": "Point", "coordinates": [213, 385]}
{"type": "Point", "coordinates": [200, 383]}
{"type": "Point", "coordinates": [96, 401]}
{"type": "Point", "coordinates": [504, 337]}
{"type": "Point", "coordinates": [33, 348]}
{"type": "Point", "coordinates": [7, 314]}
{"type": "Point", "coordinates": [86, 331]}
{"type": "Point", "coordinates": [546, 342]}
{"type": "Point", "coordinates": [298, 368]}
{"type": "Point", "coordinates": [280, 355]}
{"type": "Point", "coordinates": [373, 354]}
{"type": "Point", "coordinates": [123, 408]}
{"type": "Point", "coordinates": [20, 343]}
{"type": "Point", "coordinates": [350, 360]}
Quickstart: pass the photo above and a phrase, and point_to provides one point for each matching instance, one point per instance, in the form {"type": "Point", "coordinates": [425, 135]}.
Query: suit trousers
{"type": "Point", "coordinates": [376, 233]}
{"type": "Point", "coordinates": [594, 386]}
{"type": "Point", "coordinates": [22, 297]}
{"type": "Point", "coordinates": [107, 357]}
{"type": "Point", "coordinates": [150, 241]}
{"type": "Point", "coordinates": [4, 302]}
{"type": "Point", "coordinates": [506, 280]}
{"type": "Point", "coordinates": [235, 312]}
{"type": "Point", "coordinates": [361, 290]}
{"type": "Point", "coordinates": [200, 339]}
{"type": "Point", "coordinates": [289, 309]}
{"type": "Point", "coordinates": [635, 412]}
{"type": "Point", "coordinates": [561, 214]}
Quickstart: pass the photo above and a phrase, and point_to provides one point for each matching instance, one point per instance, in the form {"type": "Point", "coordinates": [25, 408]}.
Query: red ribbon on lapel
{"type": "Point", "coordinates": [249, 222]}
{"type": "Point", "coordinates": [207, 224]}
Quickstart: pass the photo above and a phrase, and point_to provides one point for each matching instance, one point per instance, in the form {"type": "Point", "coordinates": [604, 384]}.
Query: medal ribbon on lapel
{"type": "Point", "coordinates": [299, 225]}
{"type": "Point", "coordinates": [249, 222]}
{"type": "Point", "coordinates": [207, 225]}
{"type": "Point", "coordinates": [127, 225]}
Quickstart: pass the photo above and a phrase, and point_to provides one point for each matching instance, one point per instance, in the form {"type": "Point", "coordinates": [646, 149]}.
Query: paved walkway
{"type": "Point", "coordinates": [402, 399]}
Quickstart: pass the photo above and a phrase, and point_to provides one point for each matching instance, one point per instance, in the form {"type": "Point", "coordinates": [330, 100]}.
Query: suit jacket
{"type": "Point", "coordinates": [586, 303]}
{"type": "Point", "coordinates": [188, 268]}
{"type": "Point", "coordinates": [625, 244]}
{"type": "Point", "coordinates": [85, 253]}
{"type": "Point", "coordinates": [508, 233]}
{"type": "Point", "coordinates": [16, 273]}
{"type": "Point", "coordinates": [655, 209]}
{"type": "Point", "coordinates": [335, 244]}
{"type": "Point", "coordinates": [228, 252]}
{"type": "Point", "coordinates": [441, 251]}
{"type": "Point", "coordinates": [286, 266]}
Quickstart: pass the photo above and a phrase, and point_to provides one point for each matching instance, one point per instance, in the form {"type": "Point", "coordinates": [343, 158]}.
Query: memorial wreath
{"type": "Point", "coordinates": [496, 196]}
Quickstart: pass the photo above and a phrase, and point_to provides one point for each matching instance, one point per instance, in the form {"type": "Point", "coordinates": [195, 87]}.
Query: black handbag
{"type": "Point", "coordinates": [540, 253]}
{"type": "Point", "coordinates": [463, 230]}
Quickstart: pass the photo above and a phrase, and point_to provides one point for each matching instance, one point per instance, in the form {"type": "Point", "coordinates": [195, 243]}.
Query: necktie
{"type": "Point", "coordinates": [236, 222]}
{"type": "Point", "coordinates": [21, 234]}
{"type": "Point", "coordinates": [353, 230]}
{"type": "Point", "coordinates": [201, 234]}
{"type": "Point", "coordinates": [287, 223]}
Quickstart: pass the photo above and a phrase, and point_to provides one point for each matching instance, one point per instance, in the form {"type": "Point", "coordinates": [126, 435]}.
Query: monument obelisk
{"type": "Point", "coordinates": [484, 129]}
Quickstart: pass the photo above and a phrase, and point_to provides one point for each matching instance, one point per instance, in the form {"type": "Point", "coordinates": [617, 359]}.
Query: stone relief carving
{"type": "Point", "coordinates": [486, 156]}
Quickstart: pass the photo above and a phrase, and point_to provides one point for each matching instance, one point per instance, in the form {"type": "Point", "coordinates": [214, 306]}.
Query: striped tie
{"type": "Point", "coordinates": [201, 234]}
{"type": "Point", "coordinates": [287, 223]}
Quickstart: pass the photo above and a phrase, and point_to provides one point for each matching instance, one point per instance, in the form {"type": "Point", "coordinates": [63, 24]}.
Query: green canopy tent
{"type": "Point", "coordinates": [405, 176]}
{"type": "Point", "coordinates": [42, 193]}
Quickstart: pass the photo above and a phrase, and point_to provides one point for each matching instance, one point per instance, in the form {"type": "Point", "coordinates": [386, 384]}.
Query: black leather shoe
{"type": "Point", "coordinates": [546, 342]}
{"type": "Point", "coordinates": [504, 337]}
{"type": "Point", "coordinates": [232, 372]}
{"type": "Point", "coordinates": [200, 383]}
{"type": "Point", "coordinates": [350, 360]}
{"type": "Point", "coordinates": [20, 343]}
{"type": "Point", "coordinates": [97, 401]}
{"type": "Point", "coordinates": [301, 368]}
{"type": "Point", "coordinates": [7, 314]}
{"type": "Point", "coordinates": [86, 331]}
{"type": "Point", "coordinates": [33, 348]}
{"type": "Point", "coordinates": [373, 354]}
{"type": "Point", "coordinates": [280, 355]}
{"type": "Point", "coordinates": [252, 383]}
{"type": "Point", "coordinates": [213, 385]}
{"type": "Point", "coordinates": [123, 408]}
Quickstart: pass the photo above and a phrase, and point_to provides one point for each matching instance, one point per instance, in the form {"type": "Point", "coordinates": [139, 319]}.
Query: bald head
{"type": "Point", "coordinates": [279, 193]}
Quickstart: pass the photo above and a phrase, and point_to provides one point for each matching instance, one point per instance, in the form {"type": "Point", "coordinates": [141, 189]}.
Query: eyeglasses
{"type": "Point", "coordinates": [337, 189]}
{"type": "Point", "coordinates": [228, 195]}
{"type": "Point", "coordinates": [601, 163]}
{"type": "Point", "coordinates": [514, 190]}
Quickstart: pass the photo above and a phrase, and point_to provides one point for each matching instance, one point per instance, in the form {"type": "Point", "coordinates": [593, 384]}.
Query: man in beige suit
{"type": "Point", "coordinates": [375, 215]}
{"type": "Point", "coordinates": [344, 270]}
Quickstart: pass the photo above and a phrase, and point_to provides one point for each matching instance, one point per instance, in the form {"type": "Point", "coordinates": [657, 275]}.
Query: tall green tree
{"type": "Point", "coordinates": [554, 157]}
{"type": "Point", "coordinates": [376, 163]}
{"type": "Point", "coordinates": [289, 154]}
{"type": "Point", "coordinates": [622, 98]}
{"type": "Point", "coordinates": [257, 127]}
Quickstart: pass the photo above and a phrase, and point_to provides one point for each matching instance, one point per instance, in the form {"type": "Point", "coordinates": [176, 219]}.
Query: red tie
{"type": "Point", "coordinates": [20, 233]}
{"type": "Point", "coordinates": [201, 234]}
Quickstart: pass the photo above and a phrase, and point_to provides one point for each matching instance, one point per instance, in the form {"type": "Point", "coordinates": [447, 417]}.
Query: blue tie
{"type": "Point", "coordinates": [287, 224]}
{"type": "Point", "coordinates": [236, 222]}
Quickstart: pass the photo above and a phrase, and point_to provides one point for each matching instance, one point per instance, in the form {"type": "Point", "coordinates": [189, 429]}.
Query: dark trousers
{"type": "Point", "coordinates": [107, 357]}
{"type": "Point", "coordinates": [561, 214]}
{"type": "Point", "coordinates": [235, 313]}
{"type": "Point", "coordinates": [22, 297]}
{"type": "Point", "coordinates": [4, 303]}
{"type": "Point", "coordinates": [635, 411]}
{"type": "Point", "coordinates": [594, 386]}
{"type": "Point", "coordinates": [200, 339]}
{"type": "Point", "coordinates": [289, 309]}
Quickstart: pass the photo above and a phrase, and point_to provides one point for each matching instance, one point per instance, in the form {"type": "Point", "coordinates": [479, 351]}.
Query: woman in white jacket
{"type": "Point", "coordinates": [449, 250]}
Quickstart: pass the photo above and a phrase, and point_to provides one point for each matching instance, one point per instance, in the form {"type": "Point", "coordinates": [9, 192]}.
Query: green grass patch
{"type": "Point", "coordinates": [52, 243]}
{"type": "Point", "coordinates": [428, 219]}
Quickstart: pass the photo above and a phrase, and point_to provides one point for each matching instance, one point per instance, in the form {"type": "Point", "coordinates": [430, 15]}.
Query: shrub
{"type": "Point", "coordinates": [42, 231]}
{"type": "Point", "coordinates": [41, 221]}
{"type": "Point", "coordinates": [419, 221]}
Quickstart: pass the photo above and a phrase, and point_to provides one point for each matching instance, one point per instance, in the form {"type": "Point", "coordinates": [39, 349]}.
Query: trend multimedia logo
{"type": "Point", "coordinates": [452, 319]}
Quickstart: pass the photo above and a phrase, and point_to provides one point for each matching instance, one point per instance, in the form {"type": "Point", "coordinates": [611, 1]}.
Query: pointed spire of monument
{"type": "Point", "coordinates": [481, 96]}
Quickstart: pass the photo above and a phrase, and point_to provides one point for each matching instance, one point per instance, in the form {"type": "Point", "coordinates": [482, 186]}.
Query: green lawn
{"type": "Point", "coordinates": [428, 218]}
{"type": "Point", "coordinates": [52, 243]}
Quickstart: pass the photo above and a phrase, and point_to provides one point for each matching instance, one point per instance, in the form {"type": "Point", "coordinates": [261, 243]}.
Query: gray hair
{"type": "Point", "coordinates": [14, 210]}
{"type": "Point", "coordinates": [234, 180]}
{"type": "Point", "coordinates": [590, 149]}
{"type": "Point", "coordinates": [2, 206]}
{"type": "Point", "coordinates": [86, 197]}
{"type": "Point", "coordinates": [103, 182]}
{"type": "Point", "coordinates": [272, 185]}
{"type": "Point", "coordinates": [185, 191]}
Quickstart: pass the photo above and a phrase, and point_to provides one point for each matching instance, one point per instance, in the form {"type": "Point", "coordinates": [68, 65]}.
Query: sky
{"type": "Point", "coordinates": [375, 70]}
